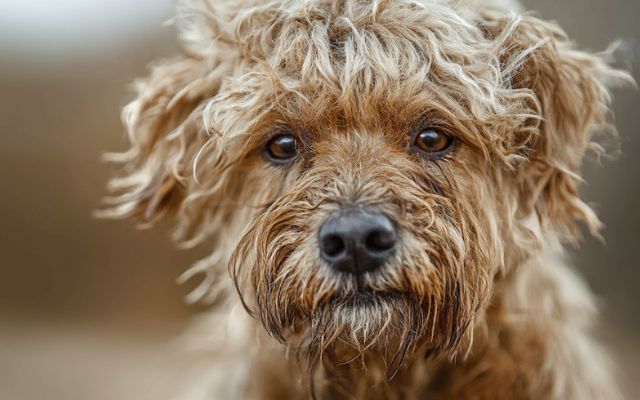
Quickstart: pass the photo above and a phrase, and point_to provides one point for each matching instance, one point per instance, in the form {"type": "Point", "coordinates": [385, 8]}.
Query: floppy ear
{"type": "Point", "coordinates": [569, 93]}
{"type": "Point", "coordinates": [163, 128]}
{"type": "Point", "coordinates": [164, 123]}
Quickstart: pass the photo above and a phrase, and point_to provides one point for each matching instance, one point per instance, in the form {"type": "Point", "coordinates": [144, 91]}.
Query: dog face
{"type": "Point", "coordinates": [366, 169]}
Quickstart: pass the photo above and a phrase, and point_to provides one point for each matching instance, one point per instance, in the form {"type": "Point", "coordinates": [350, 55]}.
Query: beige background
{"type": "Point", "coordinates": [87, 306]}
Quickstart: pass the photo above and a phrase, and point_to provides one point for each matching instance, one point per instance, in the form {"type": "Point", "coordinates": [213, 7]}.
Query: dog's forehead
{"type": "Point", "coordinates": [392, 60]}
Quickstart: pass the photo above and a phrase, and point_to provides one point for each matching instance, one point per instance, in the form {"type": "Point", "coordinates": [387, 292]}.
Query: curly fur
{"type": "Point", "coordinates": [477, 302]}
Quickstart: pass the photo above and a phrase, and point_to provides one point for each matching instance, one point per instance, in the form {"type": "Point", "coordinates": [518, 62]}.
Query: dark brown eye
{"type": "Point", "coordinates": [432, 141]}
{"type": "Point", "coordinates": [282, 149]}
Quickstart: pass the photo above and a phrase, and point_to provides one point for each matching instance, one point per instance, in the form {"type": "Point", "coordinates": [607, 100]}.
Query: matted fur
{"type": "Point", "coordinates": [476, 302]}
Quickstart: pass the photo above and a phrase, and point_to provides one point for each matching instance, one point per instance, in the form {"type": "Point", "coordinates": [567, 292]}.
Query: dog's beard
{"type": "Point", "coordinates": [391, 326]}
{"type": "Point", "coordinates": [334, 320]}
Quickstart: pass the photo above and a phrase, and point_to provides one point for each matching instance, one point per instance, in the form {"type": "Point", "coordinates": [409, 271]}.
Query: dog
{"type": "Point", "coordinates": [387, 186]}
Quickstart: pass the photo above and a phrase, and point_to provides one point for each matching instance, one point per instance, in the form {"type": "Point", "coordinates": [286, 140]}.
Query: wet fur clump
{"type": "Point", "coordinates": [476, 301]}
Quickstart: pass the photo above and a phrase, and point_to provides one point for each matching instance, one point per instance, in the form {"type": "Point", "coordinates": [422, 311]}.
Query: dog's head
{"type": "Point", "coordinates": [365, 168]}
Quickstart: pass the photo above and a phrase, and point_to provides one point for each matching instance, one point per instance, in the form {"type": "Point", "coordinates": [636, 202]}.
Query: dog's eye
{"type": "Point", "coordinates": [432, 141]}
{"type": "Point", "coordinates": [282, 148]}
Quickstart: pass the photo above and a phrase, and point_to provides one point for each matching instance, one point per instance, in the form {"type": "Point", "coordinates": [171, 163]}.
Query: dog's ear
{"type": "Point", "coordinates": [165, 130]}
{"type": "Point", "coordinates": [569, 93]}
{"type": "Point", "coordinates": [165, 124]}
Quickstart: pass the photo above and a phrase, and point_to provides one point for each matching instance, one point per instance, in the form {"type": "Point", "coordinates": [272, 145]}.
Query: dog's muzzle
{"type": "Point", "coordinates": [357, 240]}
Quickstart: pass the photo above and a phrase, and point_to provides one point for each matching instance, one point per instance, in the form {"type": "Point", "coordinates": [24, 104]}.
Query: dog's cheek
{"type": "Point", "coordinates": [451, 252]}
{"type": "Point", "coordinates": [275, 264]}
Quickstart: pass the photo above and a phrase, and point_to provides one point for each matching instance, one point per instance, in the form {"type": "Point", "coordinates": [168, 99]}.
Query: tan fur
{"type": "Point", "coordinates": [479, 304]}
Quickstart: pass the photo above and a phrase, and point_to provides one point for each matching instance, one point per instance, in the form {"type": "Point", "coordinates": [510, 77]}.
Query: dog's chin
{"type": "Point", "coordinates": [362, 309]}
{"type": "Point", "coordinates": [368, 318]}
{"type": "Point", "coordinates": [388, 326]}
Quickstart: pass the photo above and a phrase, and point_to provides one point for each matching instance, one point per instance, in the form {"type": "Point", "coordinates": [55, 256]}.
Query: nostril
{"type": "Point", "coordinates": [333, 245]}
{"type": "Point", "coordinates": [380, 240]}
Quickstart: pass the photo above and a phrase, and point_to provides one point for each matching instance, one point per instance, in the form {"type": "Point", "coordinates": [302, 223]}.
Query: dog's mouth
{"type": "Point", "coordinates": [365, 297]}
{"type": "Point", "coordinates": [362, 293]}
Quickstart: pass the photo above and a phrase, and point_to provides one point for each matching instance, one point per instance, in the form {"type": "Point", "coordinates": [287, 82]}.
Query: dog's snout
{"type": "Point", "coordinates": [357, 240]}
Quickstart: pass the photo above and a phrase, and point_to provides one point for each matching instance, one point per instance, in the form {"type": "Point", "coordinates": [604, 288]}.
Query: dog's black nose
{"type": "Point", "coordinates": [357, 240]}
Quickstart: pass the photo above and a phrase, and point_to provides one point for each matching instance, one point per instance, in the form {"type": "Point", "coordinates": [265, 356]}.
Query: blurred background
{"type": "Point", "coordinates": [87, 304]}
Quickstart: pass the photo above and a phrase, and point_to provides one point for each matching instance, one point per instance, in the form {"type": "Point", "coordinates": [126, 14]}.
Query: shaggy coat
{"type": "Point", "coordinates": [476, 302]}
